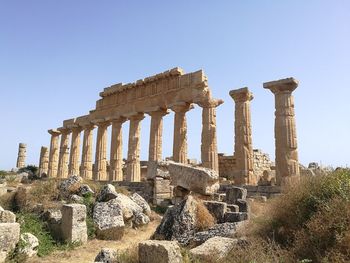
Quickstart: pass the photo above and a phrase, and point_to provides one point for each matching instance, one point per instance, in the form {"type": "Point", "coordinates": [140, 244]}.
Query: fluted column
{"type": "Point", "coordinates": [64, 153]}
{"type": "Point", "coordinates": [116, 156]}
{"type": "Point", "coordinates": [75, 151]}
{"type": "Point", "coordinates": [86, 157]}
{"type": "Point", "coordinates": [133, 173]}
{"type": "Point", "coordinates": [180, 132]}
{"type": "Point", "coordinates": [54, 153]}
{"type": "Point", "coordinates": [21, 157]}
{"type": "Point", "coordinates": [156, 135]}
{"type": "Point", "coordinates": [100, 171]}
{"type": "Point", "coordinates": [44, 161]}
{"type": "Point", "coordinates": [287, 165]}
{"type": "Point", "coordinates": [243, 137]}
{"type": "Point", "coordinates": [209, 149]}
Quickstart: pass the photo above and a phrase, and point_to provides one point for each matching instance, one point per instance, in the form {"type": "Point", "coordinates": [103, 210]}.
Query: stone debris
{"type": "Point", "coordinates": [7, 216]}
{"type": "Point", "coordinates": [70, 186]}
{"type": "Point", "coordinates": [138, 199]}
{"type": "Point", "coordinates": [85, 190]}
{"type": "Point", "coordinates": [233, 193]}
{"type": "Point", "coordinates": [216, 209]}
{"type": "Point", "coordinates": [107, 193]}
{"type": "Point", "coordinates": [30, 245]}
{"type": "Point", "coordinates": [154, 251]}
{"type": "Point", "coordinates": [9, 237]}
{"type": "Point", "coordinates": [107, 255]}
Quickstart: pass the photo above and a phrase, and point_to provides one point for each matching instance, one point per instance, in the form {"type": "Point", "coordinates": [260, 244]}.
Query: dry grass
{"type": "Point", "coordinates": [204, 219]}
{"type": "Point", "coordinates": [7, 201]}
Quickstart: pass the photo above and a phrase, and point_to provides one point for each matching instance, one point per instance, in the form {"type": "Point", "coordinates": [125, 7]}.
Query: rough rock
{"type": "Point", "coordinates": [158, 169]}
{"type": "Point", "coordinates": [141, 219]}
{"type": "Point", "coordinates": [73, 223]}
{"type": "Point", "coordinates": [234, 193]}
{"type": "Point", "coordinates": [235, 216]}
{"type": "Point", "coordinates": [30, 244]}
{"type": "Point", "coordinates": [84, 190]}
{"type": "Point", "coordinates": [3, 189]}
{"type": "Point", "coordinates": [7, 217]}
{"type": "Point", "coordinates": [9, 237]}
{"type": "Point", "coordinates": [22, 199]}
{"type": "Point", "coordinates": [216, 209]}
{"type": "Point", "coordinates": [107, 193]}
{"type": "Point", "coordinates": [214, 248]}
{"type": "Point", "coordinates": [70, 186]}
{"type": "Point", "coordinates": [129, 207]}
{"type": "Point", "coordinates": [53, 218]}
{"type": "Point", "coordinates": [108, 219]}
{"type": "Point", "coordinates": [138, 199]}
{"type": "Point", "coordinates": [232, 208]}
{"type": "Point", "coordinates": [76, 199]}
{"type": "Point", "coordinates": [107, 255]}
{"type": "Point", "coordinates": [151, 251]}
{"type": "Point", "coordinates": [243, 205]}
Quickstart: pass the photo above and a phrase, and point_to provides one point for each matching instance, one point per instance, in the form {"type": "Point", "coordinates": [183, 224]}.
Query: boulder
{"type": "Point", "coordinates": [138, 199]}
{"type": "Point", "coordinates": [70, 186]}
{"type": "Point", "coordinates": [76, 199]}
{"type": "Point", "coordinates": [213, 249]}
{"type": "Point", "coordinates": [129, 207]}
{"type": "Point", "coordinates": [9, 237]}
{"type": "Point", "coordinates": [107, 193]}
{"type": "Point", "coordinates": [233, 193]}
{"type": "Point", "coordinates": [152, 251]}
{"type": "Point", "coordinates": [7, 217]}
{"type": "Point", "coordinates": [141, 219]}
{"type": "Point", "coordinates": [30, 245]}
{"type": "Point", "coordinates": [84, 190]}
{"type": "Point", "coordinates": [107, 255]}
{"type": "Point", "coordinates": [108, 219]}
{"type": "Point", "coordinates": [197, 179]}
{"type": "Point", "coordinates": [216, 209]}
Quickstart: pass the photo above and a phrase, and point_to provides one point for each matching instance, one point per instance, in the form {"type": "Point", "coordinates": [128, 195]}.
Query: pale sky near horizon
{"type": "Point", "coordinates": [56, 56]}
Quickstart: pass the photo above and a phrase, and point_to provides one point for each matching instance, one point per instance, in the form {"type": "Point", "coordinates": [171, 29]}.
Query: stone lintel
{"type": "Point", "coordinates": [116, 118]}
{"type": "Point", "coordinates": [100, 121]}
{"type": "Point", "coordinates": [68, 122]}
{"type": "Point", "coordinates": [54, 132]}
{"type": "Point", "coordinates": [288, 84]}
{"type": "Point", "coordinates": [73, 126]}
{"type": "Point", "coordinates": [242, 94]}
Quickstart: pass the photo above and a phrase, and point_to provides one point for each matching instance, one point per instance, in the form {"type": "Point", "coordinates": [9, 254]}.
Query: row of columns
{"type": "Point", "coordinates": [63, 163]}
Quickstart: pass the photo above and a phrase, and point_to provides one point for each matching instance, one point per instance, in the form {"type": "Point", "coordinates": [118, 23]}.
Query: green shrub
{"type": "Point", "coordinates": [29, 168]}
{"type": "Point", "coordinates": [89, 202]}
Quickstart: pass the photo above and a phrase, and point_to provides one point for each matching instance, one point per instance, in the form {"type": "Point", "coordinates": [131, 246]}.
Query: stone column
{"type": "Point", "coordinates": [74, 151]}
{"type": "Point", "coordinates": [156, 135]}
{"type": "Point", "coordinates": [116, 161]}
{"type": "Point", "coordinates": [43, 161]}
{"type": "Point", "coordinates": [133, 172]}
{"type": "Point", "coordinates": [287, 166]}
{"type": "Point", "coordinates": [243, 137]}
{"type": "Point", "coordinates": [100, 169]}
{"type": "Point", "coordinates": [209, 149]}
{"type": "Point", "coordinates": [64, 153]}
{"type": "Point", "coordinates": [53, 157]}
{"type": "Point", "coordinates": [180, 132]}
{"type": "Point", "coordinates": [21, 158]}
{"type": "Point", "coordinates": [86, 157]}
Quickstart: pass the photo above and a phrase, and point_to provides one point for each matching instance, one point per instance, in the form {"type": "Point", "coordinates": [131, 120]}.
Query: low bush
{"type": "Point", "coordinates": [204, 219]}
{"type": "Point", "coordinates": [89, 202]}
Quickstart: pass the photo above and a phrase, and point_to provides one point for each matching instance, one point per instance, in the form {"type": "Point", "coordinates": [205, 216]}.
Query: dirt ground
{"type": "Point", "coordinates": [87, 253]}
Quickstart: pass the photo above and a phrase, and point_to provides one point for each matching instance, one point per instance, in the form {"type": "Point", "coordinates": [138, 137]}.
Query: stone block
{"type": "Point", "coordinates": [3, 189]}
{"type": "Point", "coordinates": [30, 245]}
{"type": "Point", "coordinates": [234, 193]}
{"type": "Point", "coordinates": [152, 251]}
{"type": "Point", "coordinates": [232, 208]}
{"type": "Point", "coordinates": [233, 217]}
{"type": "Point", "coordinates": [243, 205]}
{"type": "Point", "coordinates": [9, 237]}
{"type": "Point", "coordinates": [7, 217]}
{"type": "Point", "coordinates": [73, 223]}
{"type": "Point", "coordinates": [107, 255]}
{"type": "Point", "coordinates": [216, 209]}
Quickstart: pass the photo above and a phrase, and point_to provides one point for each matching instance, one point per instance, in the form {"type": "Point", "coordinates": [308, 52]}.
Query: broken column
{"type": "Point", "coordinates": [243, 137]}
{"type": "Point", "coordinates": [287, 166]}
{"type": "Point", "coordinates": [21, 159]}
{"type": "Point", "coordinates": [116, 162]}
{"type": "Point", "coordinates": [53, 157]}
{"type": "Point", "coordinates": [209, 149]}
{"type": "Point", "coordinates": [86, 157]}
{"type": "Point", "coordinates": [73, 224]}
{"type": "Point", "coordinates": [133, 172]}
{"type": "Point", "coordinates": [74, 151]}
{"type": "Point", "coordinates": [44, 161]}
{"type": "Point", "coordinates": [180, 131]}
{"type": "Point", "coordinates": [100, 169]}
{"type": "Point", "coordinates": [64, 153]}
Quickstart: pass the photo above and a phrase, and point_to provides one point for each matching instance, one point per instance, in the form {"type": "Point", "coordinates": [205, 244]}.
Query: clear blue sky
{"type": "Point", "coordinates": [56, 56]}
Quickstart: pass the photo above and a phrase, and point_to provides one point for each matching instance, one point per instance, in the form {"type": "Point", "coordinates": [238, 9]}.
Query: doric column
{"type": "Point", "coordinates": [44, 161]}
{"type": "Point", "coordinates": [156, 134]}
{"type": "Point", "coordinates": [287, 166]}
{"type": "Point", "coordinates": [64, 153]}
{"type": "Point", "coordinates": [21, 158]}
{"type": "Point", "coordinates": [74, 151]}
{"type": "Point", "coordinates": [100, 170]}
{"type": "Point", "coordinates": [53, 157]}
{"type": "Point", "coordinates": [243, 137]}
{"type": "Point", "coordinates": [116, 156]}
{"type": "Point", "coordinates": [86, 157]}
{"type": "Point", "coordinates": [209, 149]}
{"type": "Point", "coordinates": [133, 173]}
{"type": "Point", "coordinates": [180, 132]}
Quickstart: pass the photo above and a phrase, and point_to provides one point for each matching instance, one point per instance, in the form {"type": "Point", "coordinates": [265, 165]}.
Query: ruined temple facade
{"type": "Point", "coordinates": [154, 96]}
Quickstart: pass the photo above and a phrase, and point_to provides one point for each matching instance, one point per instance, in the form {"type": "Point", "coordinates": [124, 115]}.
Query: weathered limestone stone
{"type": "Point", "coordinates": [100, 172]}
{"type": "Point", "coordinates": [7, 217]}
{"type": "Point", "coordinates": [133, 171]}
{"type": "Point", "coordinates": [73, 223]}
{"type": "Point", "coordinates": [84, 190]}
{"type": "Point", "coordinates": [209, 149]}
{"type": "Point", "coordinates": [138, 199]}
{"type": "Point", "coordinates": [44, 161]}
{"type": "Point", "coordinates": [234, 193]}
{"type": "Point", "coordinates": [64, 153]}
{"type": "Point", "coordinates": [54, 151]}
{"type": "Point", "coordinates": [107, 255]}
{"type": "Point", "coordinates": [151, 251]}
{"type": "Point", "coordinates": [21, 159]}
{"type": "Point", "coordinates": [9, 237]}
{"type": "Point", "coordinates": [217, 209]}
{"type": "Point", "coordinates": [214, 248]}
{"type": "Point", "coordinates": [30, 245]}
{"type": "Point", "coordinates": [86, 158]}
{"type": "Point", "coordinates": [243, 136]}
{"type": "Point", "coordinates": [116, 162]}
{"type": "Point", "coordinates": [287, 166]}
{"type": "Point", "coordinates": [53, 218]}
{"type": "Point", "coordinates": [3, 188]}
{"type": "Point", "coordinates": [180, 132]}
{"type": "Point", "coordinates": [198, 179]}
{"type": "Point", "coordinates": [107, 193]}
{"type": "Point", "coordinates": [70, 186]}
{"type": "Point", "coordinates": [74, 150]}
{"type": "Point", "coordinates": [233, 217]}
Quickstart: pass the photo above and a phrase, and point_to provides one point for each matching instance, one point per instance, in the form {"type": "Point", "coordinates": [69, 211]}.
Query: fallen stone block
{"type": "Point", "coordinates": [243, 205]}
{"type": "Point", "coordinates": [232, 208]}
{"type": "Point", "coordinates": [107, 193]}
{"type": "Point", "coordinates": [216, 209]}
{"type": "Point", "coordinates": [234, 193]}
{"type": "Point", "coordinates": [236, 216]}
{"type": "Point", "coordinates": [73, 223]}
{"type": "Point", "coordinates": [107, 255]}
{"type": "Point", "coordinates": [152, 251]}
{"type": "Point", "coordinates": [138, 199]}
{"type": "Point", "coordinates": [7, 217]}
{"type": "Point", "coordinates": [70, 186]}
{"type": "Point", "coordinates": [9, 237]}
{"type": "Point", "coordinates": [30, 245]}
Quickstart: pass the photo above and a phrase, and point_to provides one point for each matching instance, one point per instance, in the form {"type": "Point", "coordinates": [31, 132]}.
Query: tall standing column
{"type": "Point", "coordinates": [180, 132]}
{"type": "Point", "coordinates": [75, 151]}
{"type": "Point", "coordinates": [243, 137]}
{"type": "Point", "coordinates": [53, 157]}
{"type": "Point", "coordinates": [133, 173]}
{"type": "Point", "coordinates": [209, 149]}
{"type": "Point", "coordinates": [64, 153]}
{"type": "Point", "coordinates": [21, 158]}
{"type": "Point", "coordinates": [86, 157]}
{"type": "Point", "coordinates": [100, 171]}
{"type": "Point", "coordinates": [287, 165]}
{"type": "Point", "coordinates": [116, 161]}
{"type": "Point", "coordinates": [43, 161]}
{"type": "Point", "coordinates": [156, 135]}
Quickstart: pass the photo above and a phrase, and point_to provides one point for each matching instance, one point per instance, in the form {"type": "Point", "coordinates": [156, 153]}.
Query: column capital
{"type": "Point", "coordinates": [54, 132]}
{"type": "Point", "coordinates": [282, 86]}
{"type": "Point", "coordinates": [181, 107]}
{"type": "Point", "coordinates": [117, 120]}
{"type": "Point", "coordinates": [137, 116]}
{"type": "Point", "coordinates": [101, 122]}
{"type": "Point", "coordinates": [211, 103]}
{"type": "Point", "coordinates": [64, 130]}
{"type": "Point", "coordinates": [158, 112]}
{"type": "Point", "coordinates": [75, 127]}
{"type": "Point", "coordinates": [241, 95]}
